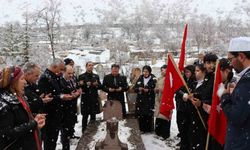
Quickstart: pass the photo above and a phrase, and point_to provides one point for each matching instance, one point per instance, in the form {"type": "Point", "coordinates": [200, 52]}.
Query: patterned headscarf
{"type": "Point", "coordinates": [8, 75]}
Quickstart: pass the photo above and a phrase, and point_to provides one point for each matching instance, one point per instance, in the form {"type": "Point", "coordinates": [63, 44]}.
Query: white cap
{"type": "Point", "coordinates": [240, 44]}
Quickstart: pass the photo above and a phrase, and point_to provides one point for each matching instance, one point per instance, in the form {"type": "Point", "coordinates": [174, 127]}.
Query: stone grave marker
{"type": "Point", "coordinates": [112, 113]}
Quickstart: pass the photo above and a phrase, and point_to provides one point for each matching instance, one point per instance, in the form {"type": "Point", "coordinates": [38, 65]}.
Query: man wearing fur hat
{"type": "Point", "coordinates": [235, 100]}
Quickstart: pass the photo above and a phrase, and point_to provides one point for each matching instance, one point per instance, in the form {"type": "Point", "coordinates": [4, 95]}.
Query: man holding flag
{"type": "Point", "coordinates": [235, 100]}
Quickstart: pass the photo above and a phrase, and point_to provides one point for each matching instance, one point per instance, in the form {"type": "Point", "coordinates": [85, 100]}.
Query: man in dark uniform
{"type": "Point", "coordinates": [115, 85]}
{"type": "Point", "coordinates": [69, 110]}
{"type": "Point", "coordinates": [35, 99]}
{"type": "Point", "coordinates": [49, 83]}
{"type": "Point", "coordinates": [90, 84]}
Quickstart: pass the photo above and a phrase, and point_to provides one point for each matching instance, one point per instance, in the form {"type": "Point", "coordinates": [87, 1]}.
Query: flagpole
{"type": "Point", "coordinates": [207, 142]}
{"type": "Point", "coordinates": [208, 135]}
{"type": "Point", "coordinates": [185, 84]}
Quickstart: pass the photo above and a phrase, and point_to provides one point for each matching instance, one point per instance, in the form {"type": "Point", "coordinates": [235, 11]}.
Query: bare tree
{"type": "Point", "coordinates": [196, 35]}
{"type": "Point", "coordinates": [49, 18]}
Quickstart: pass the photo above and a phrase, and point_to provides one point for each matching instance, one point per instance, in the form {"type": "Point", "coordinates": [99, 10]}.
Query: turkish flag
{"type": "Point", "coordinates": [173, 81]}
{"type": "Point", "coordinates": [183, 51]}
{"type": "Point", "coordinates": [217, 122]}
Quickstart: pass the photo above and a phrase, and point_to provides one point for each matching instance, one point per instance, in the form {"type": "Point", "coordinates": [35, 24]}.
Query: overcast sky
{"type": "Point", "coordinates": [12, 10]}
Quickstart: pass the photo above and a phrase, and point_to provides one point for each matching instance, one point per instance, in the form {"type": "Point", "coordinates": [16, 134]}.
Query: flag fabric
{"type": "Point", "coordinates": [217, 122]}
{"type": "Point", "coordinates": [173, 81]}
{"type": "Point", "coordinates": [183, 46]}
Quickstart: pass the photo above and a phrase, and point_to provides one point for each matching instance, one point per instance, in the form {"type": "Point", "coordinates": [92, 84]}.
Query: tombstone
{"type": "Point", "coordinates": [112, 109]}
{"type": "Point", "coordinates": [112, 113]}
{"type": "Point", "coordinates": [131, 99]}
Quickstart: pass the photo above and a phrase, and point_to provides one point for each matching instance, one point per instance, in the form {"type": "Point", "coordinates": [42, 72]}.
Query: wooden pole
{"type": "Point", "coordinates": [207, 142]}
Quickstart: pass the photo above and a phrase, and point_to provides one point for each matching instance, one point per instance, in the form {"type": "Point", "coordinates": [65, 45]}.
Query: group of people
{"type": "Point", "coordinates": [193, 109]}
{"type": "Point", "coordinates": [193, 105]}
{"type": "Point", "coordinates": [34, 107]}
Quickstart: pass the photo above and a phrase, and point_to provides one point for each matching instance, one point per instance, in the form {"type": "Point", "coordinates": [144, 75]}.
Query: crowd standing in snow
{"type": "Point", "coordinates": [34, 108]}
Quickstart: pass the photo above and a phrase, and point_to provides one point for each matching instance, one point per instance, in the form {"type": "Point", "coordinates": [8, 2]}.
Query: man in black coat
{"type": "Point", "coordinates": [68, 86]}
{"type": "Point", "coordinates": [35, 99]}
{"type": "Point", "coordinates": [115, 85]}
{"type": "Point", "coordinates": [90, 84]}
{"type": "Point", "coordinates": [49, 83]}
{"type": "Point", "coordinates": [73, 81]}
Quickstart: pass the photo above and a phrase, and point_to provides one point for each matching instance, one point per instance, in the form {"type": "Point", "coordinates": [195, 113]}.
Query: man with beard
{"type": "Point", "coordinates": [235, 99]}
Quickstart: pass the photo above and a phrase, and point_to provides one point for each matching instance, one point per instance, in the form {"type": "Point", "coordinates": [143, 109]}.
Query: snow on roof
{"type": "Point", "coordinates": [158, 50]}
{"type": "Point", "coordinates": [137, 50]}
{"type": "Point", "coordinates": [80, 57]}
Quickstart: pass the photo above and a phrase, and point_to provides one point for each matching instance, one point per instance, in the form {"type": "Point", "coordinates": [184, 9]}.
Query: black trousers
{"type": "Point", "coordinates": [123, 108]}
{"type": "Point", "coordinates": [162, 127]}
{"type": "Point", "coordinates": [52, 127]}
{"type": "Point", "coordinates": [85, 117]}
{"type": "Point", "coordinates": [183, 120]}
{"type": "Point", "coordinates": [214, 145]}
{"type": "Point", "coordinates": [146, 123]}
{"type": "Point", "coordinates": [68, 124]}
{"type": "Point", "coordinates": [65, 136]}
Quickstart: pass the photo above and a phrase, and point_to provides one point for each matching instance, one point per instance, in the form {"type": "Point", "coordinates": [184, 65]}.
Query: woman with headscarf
{"type": "Point", "coordinates": [18, 128]}
{"type": "Point", "coordinates": [145, 99]}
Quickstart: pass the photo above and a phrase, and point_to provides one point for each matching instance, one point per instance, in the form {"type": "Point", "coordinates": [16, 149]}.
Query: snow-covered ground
{"type": "Point", "coordinates": [151, 141]}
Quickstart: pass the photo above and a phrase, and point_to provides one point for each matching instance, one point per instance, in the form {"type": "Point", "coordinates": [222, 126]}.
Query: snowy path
{"type": "Point", "coordinates": [151, 141]}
